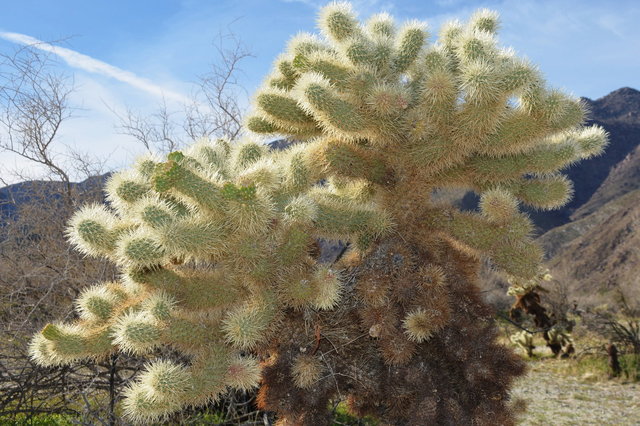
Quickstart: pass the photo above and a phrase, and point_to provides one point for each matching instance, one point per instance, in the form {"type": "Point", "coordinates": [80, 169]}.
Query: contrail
{"type": "Point", "coordinates": [87, 63]}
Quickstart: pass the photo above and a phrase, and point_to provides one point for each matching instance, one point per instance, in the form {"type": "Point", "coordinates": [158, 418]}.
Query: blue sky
{"type": "Point", "coordinates": [150, 48]}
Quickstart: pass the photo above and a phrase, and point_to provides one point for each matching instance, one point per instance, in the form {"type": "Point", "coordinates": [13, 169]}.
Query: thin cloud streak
{"type": "Point", "coordinates": [80, 61]}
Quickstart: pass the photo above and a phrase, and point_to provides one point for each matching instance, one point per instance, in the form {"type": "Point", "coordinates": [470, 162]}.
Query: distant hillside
{"type": "Point", "coordinates": [619, 114]}
{"type": "Point", "coordinates": [623, 178]}
{"type": "Point", "coordinates": [556, 240]}
{"type": "Point", "coordinates": [44, 193]}
{"type": "Point", "coordinates": [597, 253]}
{"type": "Point", "coordinates": [592, 244]}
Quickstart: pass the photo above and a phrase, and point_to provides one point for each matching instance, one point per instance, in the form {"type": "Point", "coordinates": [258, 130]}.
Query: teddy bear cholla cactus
{"type": "Point", "coordinates": [393, 119]}
{"type": "Point", "coordinates": [524, 340]}
{"type": "Point", "coordinates": [217, 244]}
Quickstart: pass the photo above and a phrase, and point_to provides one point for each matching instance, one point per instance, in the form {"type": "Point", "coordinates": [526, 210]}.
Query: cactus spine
{"type": "Point", "coordinates": [216, 243]}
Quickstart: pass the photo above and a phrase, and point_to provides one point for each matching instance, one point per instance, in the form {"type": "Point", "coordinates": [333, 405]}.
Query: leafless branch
{"type": "Point", "coordinates": [216, 108]}
{"type": "Point", "coordinates": [34, 103]}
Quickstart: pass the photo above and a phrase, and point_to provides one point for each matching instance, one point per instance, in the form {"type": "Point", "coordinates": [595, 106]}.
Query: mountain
{"type": "Point", "coordinates": [46, 195]}
{"type": "Point", "coordinates": [596, 253]}
{"type": "Point", "coordinates": [622, 105]}
{"type": "Point", "coordinates": [592, 244]}
{"type": "Point", "coordinates": [597, 257]}
{"type": "Point", "coordinates": [623, 178]}
{"type": "Point", "coordinates": [619, 114]}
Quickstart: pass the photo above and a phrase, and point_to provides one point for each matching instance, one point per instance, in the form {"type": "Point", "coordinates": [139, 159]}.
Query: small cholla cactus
{"type": "Point", "coordinates": [527, 295]}
{"type": "Point", "coordinates": [217, 244]}
{"type": "Point", "coordinates": [560, 341]}
{"type": "Point", "coordinates": [524, 340]}
{"type": "Point", "coordinates": [519, 287]}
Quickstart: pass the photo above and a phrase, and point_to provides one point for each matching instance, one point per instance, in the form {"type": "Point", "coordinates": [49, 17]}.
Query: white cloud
{"type": "Point", "coordinates": [92, 129]}
{"type": "Point", "coordinates": [78, 60]}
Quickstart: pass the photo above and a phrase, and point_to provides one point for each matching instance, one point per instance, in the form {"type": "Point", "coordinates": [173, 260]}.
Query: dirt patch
{"type": "Point", "coordinates": [554, 399]}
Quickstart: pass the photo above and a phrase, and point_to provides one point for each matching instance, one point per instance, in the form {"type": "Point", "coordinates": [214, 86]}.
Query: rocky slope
{"type": "Point", "coordinates": [623, 178]}
{"type": "Point", "coordinates": [596, 254]}
{"type": "Point", "coordinates": [619, 114]}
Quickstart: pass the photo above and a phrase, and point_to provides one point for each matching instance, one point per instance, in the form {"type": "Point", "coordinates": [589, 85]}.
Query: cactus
{"type": "Point", "coordinates": [217, 244]}
{"type": "Point", "coordinates": [524, 340]}
{"type": "Point", "coordinates": [561, 338]}
{"type": "Point", "coordinates": [528, 301]}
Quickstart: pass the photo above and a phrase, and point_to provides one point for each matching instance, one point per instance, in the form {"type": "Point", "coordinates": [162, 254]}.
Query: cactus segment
{"type": "Point", "coordinates": [411, 39]}
{"type": "Point", "coordinates": [93, 231]}
{"type": "Point", "coordinates": [177, 177]}
{"type": "Point", "coordinates": [338, 22]}
{"type": "Point", "coordinates": [284, 110]}
{"type": "Point", "coordinates": [320, 100]}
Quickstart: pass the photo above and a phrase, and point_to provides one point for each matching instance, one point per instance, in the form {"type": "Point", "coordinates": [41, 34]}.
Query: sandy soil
{"type": "Point", "coordinates": [561, 400]}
